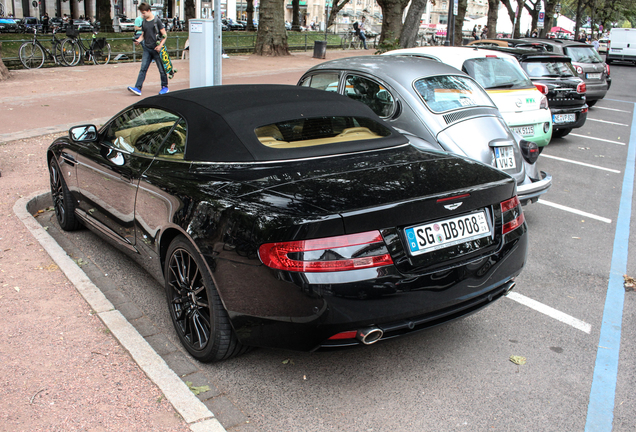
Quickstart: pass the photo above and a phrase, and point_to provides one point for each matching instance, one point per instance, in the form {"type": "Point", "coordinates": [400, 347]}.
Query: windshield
{"type": "Point", "coordinates": [497, 73]}
{"type": "Point", "coordinates": [443, 93]}
{"type": "Point", "coordinates": [583, 54]}
{"type": "Point", "coordinates": [549, 69]}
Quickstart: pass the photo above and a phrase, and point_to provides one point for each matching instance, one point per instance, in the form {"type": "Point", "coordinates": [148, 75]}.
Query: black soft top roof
{"type": "Point", "coordinates": [221, 120]}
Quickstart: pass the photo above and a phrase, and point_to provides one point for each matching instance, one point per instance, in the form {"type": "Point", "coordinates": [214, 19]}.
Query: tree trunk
{"type": "Point", "coordinates": [533, 10]}
{"type": "Point", "coordinates": [511, 14]}
{"type": "Point", "coordinates": [102, 14]}
{"type": "Point", "coordinates": [189, 11]}
{"type": "Point", "coordinates": [271, 38]}
{"type": "Point", "coordinates": [250, 15]}
{"type": "Point", "coordinates": [459, 22]}
{"type": "Point", "coordinates": [408, 38]}
{"type": "Point", "coordinates": [4, 72]}
{"type": "Point", "coordinates": [337, 7]}
{"type": "Point", "coordinates": [549, 18]}
{"type": "Point", "coordinates": [577, 23]}
{"type": "Point", "coordinates": [493, 11]}
{"type": "Point", "coordinates": [392, 11]}
{"type": "Point", "coordinates": [295, 15]}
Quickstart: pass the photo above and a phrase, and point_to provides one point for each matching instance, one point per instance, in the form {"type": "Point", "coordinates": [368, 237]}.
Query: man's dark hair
{"type": "Point", "coordinates": [144, 7]}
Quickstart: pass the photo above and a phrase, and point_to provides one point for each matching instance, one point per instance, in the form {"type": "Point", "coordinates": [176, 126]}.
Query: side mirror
{"type": "Point", "coordinates": [84, 133]}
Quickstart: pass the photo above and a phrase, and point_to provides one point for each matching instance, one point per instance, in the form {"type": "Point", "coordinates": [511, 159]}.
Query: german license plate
{"type": "Point", "coordinates": [446, 233]}
{"type": "Point", "coordinates": [524, 130]}
{"type": "Point", "coordinates": [596, 75]}
{"type": "Point", "coordinates": [563, 118]}
{"type": "Point", "coordinates": [505, 157]}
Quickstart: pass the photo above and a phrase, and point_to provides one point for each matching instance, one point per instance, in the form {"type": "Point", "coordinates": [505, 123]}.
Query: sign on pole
{"type": "Point", "coordinates": [456, 7]}
{"type": "Point", "coordinates": [541, 19]}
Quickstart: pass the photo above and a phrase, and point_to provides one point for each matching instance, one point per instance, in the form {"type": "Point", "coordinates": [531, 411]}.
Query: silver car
{"type": "Point", "coordinates": [442, 106]}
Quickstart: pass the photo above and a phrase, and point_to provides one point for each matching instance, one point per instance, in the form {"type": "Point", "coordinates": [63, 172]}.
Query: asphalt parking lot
{"type": "Point", "coordinates": [457, 376]}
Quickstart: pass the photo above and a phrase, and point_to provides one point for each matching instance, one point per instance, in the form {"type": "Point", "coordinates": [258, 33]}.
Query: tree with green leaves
{"type": "Point", "coordinates": [190, 11]}
{"type": "Point", "coordinates": [271, 38]}
{"type": "Point", "coordinates": [336, 7]}
{"type": "Point", "coordinates": [392, 12]}
{"type": "Point", "coordinates": [408, 37]}
{"type": "Point", "coordinates": [102, 13]}
{"type": "Point", "coordinates": [493, 13]}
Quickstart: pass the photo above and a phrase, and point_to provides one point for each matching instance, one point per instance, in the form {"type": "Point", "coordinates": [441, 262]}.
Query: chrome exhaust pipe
{"type": "Point", "coordinates": [510, 288]}
{"type": "Point", "coordinates": [369, 335]}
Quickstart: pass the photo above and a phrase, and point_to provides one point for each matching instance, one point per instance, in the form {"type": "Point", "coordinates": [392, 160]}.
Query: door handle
{"type": "Point", "coordinates": [69, 159]}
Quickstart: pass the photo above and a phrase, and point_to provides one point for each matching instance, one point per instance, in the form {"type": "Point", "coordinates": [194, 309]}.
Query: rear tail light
{"type": "Point", "coordinates": [579, 70]}
{"type": "Point", "coordinates": [544, 103]}
{"type": "Point", "coordinates": [529, 150]}
{"type": "Point", "coordinates": [512, 215]}
{"type": "Point", "coordinates": [581, 88]}
{"type": "Point", "coordinates": [584, 109]}
{"type": "Point", "coordinates": [331, 254]}
{"type": "Point", "coordinates": [345, 335]}
{"type": "Point", "coordinates": [607, 67]}
{"type": "Point", "coordinates": [542, 88]}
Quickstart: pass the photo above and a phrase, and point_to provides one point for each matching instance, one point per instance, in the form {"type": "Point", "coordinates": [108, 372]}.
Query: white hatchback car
{"type": "Point", "coordinates": [522, 105]}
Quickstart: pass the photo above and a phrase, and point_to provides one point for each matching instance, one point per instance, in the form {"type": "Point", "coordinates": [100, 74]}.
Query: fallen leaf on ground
{"type": "Point", "coordinates": [630, 283]}
{"type": "Point", "coordinates": [288, 361]}
{"type": "Point", "coordinates": [518, 360]}
{"type": "Point", "coordinates": [197, 390]}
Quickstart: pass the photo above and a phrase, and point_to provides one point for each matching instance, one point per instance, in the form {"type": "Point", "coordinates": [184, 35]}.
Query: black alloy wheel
{"type": "Point", "coordinates": [62, 199]}
{"type": "Point", "coordinates": [199, 318]}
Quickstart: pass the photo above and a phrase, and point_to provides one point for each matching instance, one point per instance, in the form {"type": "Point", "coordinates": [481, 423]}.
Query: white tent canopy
{"type": "Point", "coordinates": [504, 25]}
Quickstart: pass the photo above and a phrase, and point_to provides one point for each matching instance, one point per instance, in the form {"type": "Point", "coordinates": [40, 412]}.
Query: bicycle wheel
{"type": "Point", "coordinates": [56, 51]}
{"type": "Point", "coordinates": [101, 56]}
{"type": "Point", "coordinates": [31, 55]}
{"type": "Point", "coordinates": [71, 52]}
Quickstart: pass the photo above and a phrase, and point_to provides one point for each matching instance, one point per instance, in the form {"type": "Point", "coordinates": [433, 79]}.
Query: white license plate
{"type": "Point", "coordinates": [524, 130]}
{"type": "Point", "coordinates": [505, 158]}
{"type": "Point", "coordinates": [594, 75]}
{"type": "Point", "coordinates": [563, 118]}
{"type": "Point", "coordinates": [446, 233]}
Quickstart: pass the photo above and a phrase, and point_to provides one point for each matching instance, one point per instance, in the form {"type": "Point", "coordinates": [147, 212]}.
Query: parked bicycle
{"type": "Point", "coordinates": [33, 54]}
{"type": "Point", "coordinates": [98, 51]}
{"type": "Point", "coordinates": [351, 40]}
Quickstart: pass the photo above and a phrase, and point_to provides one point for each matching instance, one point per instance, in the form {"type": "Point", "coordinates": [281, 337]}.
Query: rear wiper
{"type": "Point", "coordinates": [507, 85]}
{"type": "Point", "coordinates": [552, 76]}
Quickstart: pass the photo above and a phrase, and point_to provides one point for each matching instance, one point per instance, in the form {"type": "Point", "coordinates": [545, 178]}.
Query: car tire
{"type": "Point", "coordinates": [62, 199]}
{"type": "Point", "coordinates": [560, 133]}
{"type": "Point", "coordinates": [198, 316]}
{"type": "Point", "coordinates": [590, 104]}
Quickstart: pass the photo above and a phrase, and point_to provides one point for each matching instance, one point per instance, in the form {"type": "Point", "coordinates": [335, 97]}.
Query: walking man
{"type": "Point", "coordinates": [153, 36]}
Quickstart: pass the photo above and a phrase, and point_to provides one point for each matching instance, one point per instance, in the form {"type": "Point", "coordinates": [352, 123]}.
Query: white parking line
{"type": "Point", "coordinates": [551, 312]}
{"type": "Point", "coordinates": [597, 139]}
{"type": "Point", "coordinates": [580, 163]}
{"type": "Point", "coordinates": [605, 121]}
{"type": "Point", "coordinates": [612, 109]}
{"type": "Point", "coordinates": [575, 211]}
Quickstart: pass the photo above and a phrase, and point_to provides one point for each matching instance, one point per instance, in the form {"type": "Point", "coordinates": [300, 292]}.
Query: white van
{"type": "Point", "coordinates": [622, 45]}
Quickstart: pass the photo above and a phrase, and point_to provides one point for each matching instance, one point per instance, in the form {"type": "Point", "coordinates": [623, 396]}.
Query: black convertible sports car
{"type": "Point", "coordinates": [289, 217]}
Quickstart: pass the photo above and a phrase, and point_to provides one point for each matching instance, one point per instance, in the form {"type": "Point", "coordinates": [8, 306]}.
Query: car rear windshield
{"type": "Point", "coordinates": [444, 93]}
{"type": "Point", "coordinates": [554, 69]}
{"type": "Point", "coordinates": [497, 73]}
{"type": "Point", "coordinates": [582, 54]}
{"type": "Point", "coordinates": [317, 131]}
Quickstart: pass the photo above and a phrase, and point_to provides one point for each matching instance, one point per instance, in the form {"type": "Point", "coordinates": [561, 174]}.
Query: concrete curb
{"type": "Point", "coordinates": [193, 411]}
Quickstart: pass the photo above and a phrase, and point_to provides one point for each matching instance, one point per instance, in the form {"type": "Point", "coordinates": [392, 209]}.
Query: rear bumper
{"type": "Point", "coordinates": [291, 311]}
{"type": "Point", "coordinates": [581, 117]}
{"type": "Point", "coordinates": [596, 90]}
{"type": "Point", "coordinates": [529, 193]}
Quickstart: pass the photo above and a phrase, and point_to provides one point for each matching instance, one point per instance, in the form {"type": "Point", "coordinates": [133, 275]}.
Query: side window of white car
{"type": "Point", "coordinates": [370, 93]}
